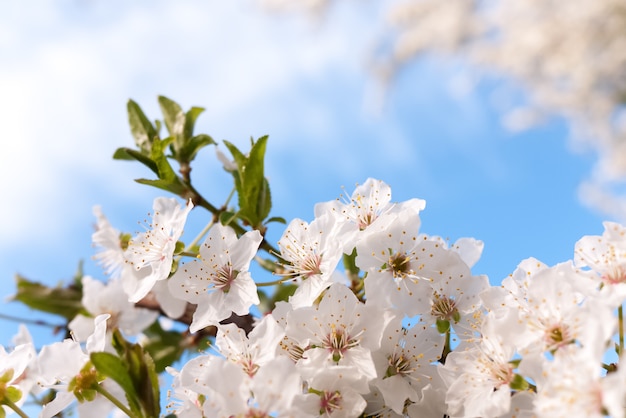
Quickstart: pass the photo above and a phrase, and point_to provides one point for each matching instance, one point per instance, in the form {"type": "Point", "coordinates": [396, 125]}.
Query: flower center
{"type": "Point", "coordinates": [330, 402]}
{"type": "Point", "coordinates": [615, 275]}
{"type": "Point", "coordinates": [255, 413]}
{"type": "Point", "coordinates": [398, 364]}
{"type": "Point", "coordinates": [503, 374]}
{"type": "Point", "coordinates": [558, 336]}
{"type": "Point", "coordinates": [223, 276]}
{"type": "Point", "coordinates": [444, 308]}
{"type": "Point", "coordinates": [365, 219]}
{"type": "Point", "coordinates": [310, 266]}
{"type": "Point", "coordinates": [337, 342]}
{"type": "Point", "coordinates": [399, 265]}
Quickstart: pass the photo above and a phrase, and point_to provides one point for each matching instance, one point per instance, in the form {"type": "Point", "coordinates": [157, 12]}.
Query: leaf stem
{"type": "Point", "coordinates": [102, 391]}
{"type": "Point", "coordinates": [276, 282]}
{"type": "Point", "coordinates": [446, 348]}
{"type": "Point", "coordinates": [6, 401]}
{"type": "Point", "coordinates": [30, 321]}
{"type": "Point", "coordinates": [620, 316]}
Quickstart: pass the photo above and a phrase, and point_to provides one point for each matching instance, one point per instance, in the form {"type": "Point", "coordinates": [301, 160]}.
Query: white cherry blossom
{"type": "Point", "coordinates": [218, 281]}
{"type": "Point", "coordinates": [150, 253]}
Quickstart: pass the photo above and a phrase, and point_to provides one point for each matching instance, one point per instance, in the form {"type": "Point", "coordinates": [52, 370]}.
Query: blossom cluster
{"type": "Point", "coordinates": [404, 330]}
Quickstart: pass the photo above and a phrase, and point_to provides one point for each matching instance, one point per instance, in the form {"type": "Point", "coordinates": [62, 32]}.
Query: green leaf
{"type": "Point", "coordinates": [349, 262]}
{"type": "Point", "coordinates": [174, 119]}
{"type": "Point", "coordinates": [114, 367]}
{"type": "Point", "coordinates": [173, 186]}
{"type": "Point", "coordinates": [150, 388]}
{"type": "Point", "coordinates": [141, 370]}
{"type": "Point", "coordinates": [131, 154]}
{"type": "Point", "coordinates": [165, 347]}
{"type": "Point", "coordinates": [227, 217]}
{"type": "Point", "coordinates": [278, 219]}
{"type": "Point", "coordinates": [283, 292]}
{"type": "Point", "coordinates": [519, 383]}
{"type": "Point", "coordinates": [164, 169]}
{"type": "Point", "coordinates": [252, 187]}
{"type": "Point", "coordinates": [192, 146]}
{"type": "Point", "coordinates": [190, 120]}
{"type": "Point", "coordinates": [141, 127]}
{"type": "Point", "coordinates": [63, 301]}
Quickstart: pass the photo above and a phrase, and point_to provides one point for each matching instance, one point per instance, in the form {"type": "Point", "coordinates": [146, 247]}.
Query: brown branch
{"type": "Point", "coordinates": [245, 322]}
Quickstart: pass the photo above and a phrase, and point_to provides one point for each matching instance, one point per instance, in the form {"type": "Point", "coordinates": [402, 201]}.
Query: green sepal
{"type": "Point", "coordinates": [13, 394]}
{"type": "Point", "coordinates": [141, 128]}
{"type": "Point", "coordinates": [114, 368]}
{"type": "Point", "coordinates": [63, 301]}
{"type": "Point", "coordinates": [179, 247]}
{"type": "Point", "coordinates": [443, 326]}
{"type": "Point", "coordinates": [456, 316]}
{"type": "Point", "coordinates": [519, 383]}
{"type": "Point", "coordinates": [131, 154]}
{"type": "Point", "coordinates": [515, 362]}
{"type": "Point", "coordinates": [165, 347]}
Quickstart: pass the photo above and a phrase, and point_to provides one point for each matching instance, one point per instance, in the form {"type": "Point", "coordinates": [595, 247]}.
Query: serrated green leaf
{"type": "Point", "coordinates": [240, 158]}
{"type": "Point", "coordinates": [140, 127]}
{"type": "Point", "coordinates": [190, 120]}
{"type": "Point", "coordinates": [149, 388]}
{"type": "Point", "coordinates": [164, 169]}
{"type": "Point", "coordinates": [115, 368]}
{"type": "Point", "coordinates": [192, 146]}
{"type": "Point", "coordinates": [174, 119]}
{"type": "Point", "coordinates": [174, 186]}
{"type": "Point", "coordinates": [253, 193]}
{"type": "Point", "coordinates": [131, 154]}
{"type": "Point", "coordinates": [63, 301]}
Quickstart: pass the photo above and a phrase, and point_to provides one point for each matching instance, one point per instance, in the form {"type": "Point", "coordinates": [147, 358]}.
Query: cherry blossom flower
{"type": "Point", "coordinates": [100, 298]}
{"type": "Point", "coordinates": [332, 394]}
{"type": "Point", "coordinates": [339, 331]}
{"type": "Point", "coordinates": [150, 253]}
{"type": "Point", "coordinates": [479, 377]}
{"type": "Point", "coordinates": [14, 387]}
{"type": "Point", "coordinates": [369, 204]}
{"type": "Point", "coordinates": [254, 350]}
{"type": "Point", "coordinates": [218, 281]}
{"type": "Point", "coordinates": [313, 251]}
{"type": "Point", "coordinates": [108, 241]}
{"type": "Point", "coordinates": [404, 362]}
{"type": "Point", "coordinates": [62, 363]}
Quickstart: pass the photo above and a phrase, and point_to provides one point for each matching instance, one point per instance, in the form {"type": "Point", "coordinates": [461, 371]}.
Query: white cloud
{"type": "Point", "coordinates": [67, 78]}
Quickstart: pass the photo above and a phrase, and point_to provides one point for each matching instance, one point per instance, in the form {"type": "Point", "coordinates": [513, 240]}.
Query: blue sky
{"type": "Point", "coordinates": [69, 67]}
